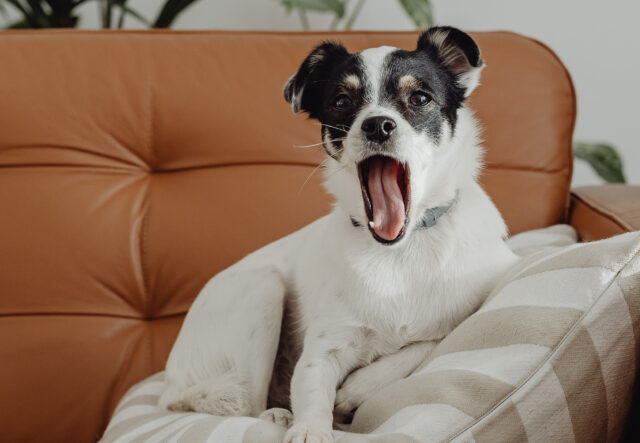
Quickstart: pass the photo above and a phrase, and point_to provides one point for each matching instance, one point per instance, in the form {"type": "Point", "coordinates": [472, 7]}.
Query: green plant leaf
{"type": "Point", "coordinates": [28, 17]}
{"type": "Point", "coordinates": [335, 6]}
{"type": "Point", "coordinates": [420, 12]}
{"type": "Point", "coordinates": [603, 158]}
{"type": "Point", "coordinates": [170, 11]}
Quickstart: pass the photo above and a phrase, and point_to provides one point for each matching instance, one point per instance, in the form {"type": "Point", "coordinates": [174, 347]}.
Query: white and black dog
{"type": "Point", "coordinates": [411, 248]}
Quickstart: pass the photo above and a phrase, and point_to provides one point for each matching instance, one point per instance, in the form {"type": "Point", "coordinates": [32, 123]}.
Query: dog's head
{"type": "Point", "coordinates": [389, 118]}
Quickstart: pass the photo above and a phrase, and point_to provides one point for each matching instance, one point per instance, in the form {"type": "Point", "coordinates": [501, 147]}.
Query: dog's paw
{"type": "Point", "coordinates": [357, 388]}
{"type": "Point", "coordinates": [307, 433]}
{"type": "Point", "coordinates": [279, 416]}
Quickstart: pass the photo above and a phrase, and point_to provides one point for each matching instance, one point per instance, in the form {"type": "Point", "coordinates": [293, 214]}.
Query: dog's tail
{"type": "Point", "coordinates": [225, 394]}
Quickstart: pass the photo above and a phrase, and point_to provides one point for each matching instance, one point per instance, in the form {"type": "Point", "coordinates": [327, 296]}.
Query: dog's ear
{"type": "Point", "coordinates": [304, 88]}
{"type": "Point", "coordinates": [457, 51]}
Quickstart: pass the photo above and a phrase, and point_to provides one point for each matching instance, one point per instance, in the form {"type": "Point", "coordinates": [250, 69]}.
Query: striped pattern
{"type": "Point", "coordinates": [551, 356]}
{"type": "Point", "coordinates": [536, 240]}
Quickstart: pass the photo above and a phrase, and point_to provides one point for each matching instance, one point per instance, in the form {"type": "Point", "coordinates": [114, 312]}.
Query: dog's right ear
{"type": "Point", "coordinates": [304, 88]}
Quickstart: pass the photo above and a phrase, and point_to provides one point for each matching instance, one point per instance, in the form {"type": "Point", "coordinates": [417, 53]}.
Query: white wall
{"type": "Point", "coordinates": [597, 41]}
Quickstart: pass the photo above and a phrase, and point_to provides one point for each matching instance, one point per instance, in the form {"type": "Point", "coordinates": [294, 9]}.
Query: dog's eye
{"type": "Point", "coordinates": [341, 103]}
{"type": "Point", "coordinates": [419, 98]}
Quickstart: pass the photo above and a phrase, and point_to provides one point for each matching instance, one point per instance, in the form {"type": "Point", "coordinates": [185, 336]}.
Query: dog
{"type": "Point", "coordinates": [412, 246]}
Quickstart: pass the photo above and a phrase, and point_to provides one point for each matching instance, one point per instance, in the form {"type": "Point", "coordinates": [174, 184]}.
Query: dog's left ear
{"type": "Point", "coordinates": [457, 51]}
{"type": "Point", "coordinates": [304, 88]}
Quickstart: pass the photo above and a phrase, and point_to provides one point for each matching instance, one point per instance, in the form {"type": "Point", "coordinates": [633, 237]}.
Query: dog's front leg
{"type": "Point", "coordinates": [363, 383]}
{"type": "Point", "coordinates": [324, 363]}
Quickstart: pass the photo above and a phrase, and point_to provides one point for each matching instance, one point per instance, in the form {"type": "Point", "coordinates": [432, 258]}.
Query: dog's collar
{"type": "Point", "coordinates": [429, 218]}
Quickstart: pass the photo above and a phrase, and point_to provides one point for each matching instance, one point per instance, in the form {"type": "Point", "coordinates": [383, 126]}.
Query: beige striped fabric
{"type": "Point", "coordinates": [529, 242]}
{"type": "Point", "coordinates": [551, 356]}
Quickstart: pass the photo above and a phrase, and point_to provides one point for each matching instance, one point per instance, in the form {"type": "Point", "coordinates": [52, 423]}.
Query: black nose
{"type": "Point", "coordinates": [378, 129]}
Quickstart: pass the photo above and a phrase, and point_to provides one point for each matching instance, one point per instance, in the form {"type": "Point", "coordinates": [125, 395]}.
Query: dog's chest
{"type": "Point", "coordinates": [400, 297]}
{"type": "Point", "coordinates": [418, 292]}
{"type": "Point", "coordinates": [403, 318]}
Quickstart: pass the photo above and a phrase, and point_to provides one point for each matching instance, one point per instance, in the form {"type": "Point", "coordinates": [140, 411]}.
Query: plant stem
{"type": "Point", "coordinates": [170, 11]}
{"type": "Point", "coordinates": [354, 14]}
{"type": "Point", "coordinates": [122, 4]}
{"type": "Point", "coordinates": [121, 19]}
{"type": "Point", "coordinates": [303, 18]}
{"type": "Point", "coordinates": [106, 14]}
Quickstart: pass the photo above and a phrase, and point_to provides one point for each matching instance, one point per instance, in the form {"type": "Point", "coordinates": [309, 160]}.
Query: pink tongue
{"type": "Point", "coordinates": [386, 198]}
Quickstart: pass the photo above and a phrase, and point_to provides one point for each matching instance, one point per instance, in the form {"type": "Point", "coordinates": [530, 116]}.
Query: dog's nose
{"type": "Point", "coordinates": [378, 129]}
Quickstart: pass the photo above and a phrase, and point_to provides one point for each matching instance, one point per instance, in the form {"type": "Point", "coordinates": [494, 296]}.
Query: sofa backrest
{"type": "Point", "coordinates": [136, 165]}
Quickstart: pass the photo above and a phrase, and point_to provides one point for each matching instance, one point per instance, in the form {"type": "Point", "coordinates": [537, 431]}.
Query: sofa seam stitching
{"type": "Point", "coordinates": [145, 207]}
{"type": "Point", "coordinates": [89, 314]}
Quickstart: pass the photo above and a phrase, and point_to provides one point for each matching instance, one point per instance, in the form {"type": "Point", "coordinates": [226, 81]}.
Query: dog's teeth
{"type": "Point", "coordinates": [372, 224]}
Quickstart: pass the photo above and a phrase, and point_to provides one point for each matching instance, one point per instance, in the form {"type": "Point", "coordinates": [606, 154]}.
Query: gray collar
{"type": "Point", "coordinates": [429, 218]}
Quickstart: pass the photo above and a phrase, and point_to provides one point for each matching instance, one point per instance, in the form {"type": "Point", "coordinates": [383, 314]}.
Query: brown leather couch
{"type": "Point", "coordinates": [136, 165]}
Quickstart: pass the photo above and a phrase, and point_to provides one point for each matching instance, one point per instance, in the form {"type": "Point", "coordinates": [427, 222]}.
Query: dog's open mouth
{"type": "Point", "coordinates": [384, 182]}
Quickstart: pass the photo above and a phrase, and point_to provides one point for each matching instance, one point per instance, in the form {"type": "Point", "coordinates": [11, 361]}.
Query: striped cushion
{"type": "Point", "coordinates": [551, 356]}
{"type": "Point", "coordinates": [526, 243]}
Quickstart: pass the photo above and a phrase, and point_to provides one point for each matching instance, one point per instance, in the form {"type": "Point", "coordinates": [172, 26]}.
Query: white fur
{"type": "Point", "coordinates": [356, 300]}
{"type": "Point", "coordinates": [373, 60]}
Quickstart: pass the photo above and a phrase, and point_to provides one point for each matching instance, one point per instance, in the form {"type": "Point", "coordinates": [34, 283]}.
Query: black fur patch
{"type": "Point", "coordinates": [320, 80]}
{"type": "Point", "coordinates": [439, 84]}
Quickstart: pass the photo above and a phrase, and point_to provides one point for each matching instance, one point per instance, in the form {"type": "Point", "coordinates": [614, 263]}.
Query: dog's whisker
{"type": "Point", "coordinates": [318, 144]}
{"type": "Point", "coordinates": [322, 164]}
{"type": "Point", "coordinates": [346, 131]}
{"type": "Point", "coordinates": [307, 146]}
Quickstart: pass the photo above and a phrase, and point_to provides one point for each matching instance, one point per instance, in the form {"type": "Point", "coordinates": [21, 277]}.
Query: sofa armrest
{"type": "Point", "coordinates": [598, 212]}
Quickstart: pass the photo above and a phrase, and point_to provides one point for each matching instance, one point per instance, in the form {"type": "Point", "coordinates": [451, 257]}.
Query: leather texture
{"type": "Point", "coordinates": [135, 165]}
{"type": "Point", "coordinates": [599, 212]}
